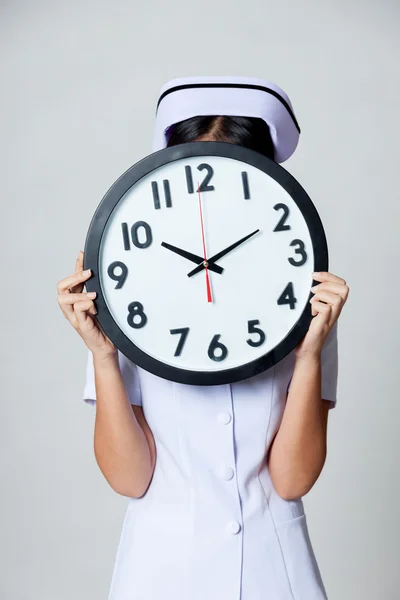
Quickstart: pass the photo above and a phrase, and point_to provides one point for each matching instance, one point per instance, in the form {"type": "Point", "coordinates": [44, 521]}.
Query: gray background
{"type": "Point", "coordinates": [79, 82]}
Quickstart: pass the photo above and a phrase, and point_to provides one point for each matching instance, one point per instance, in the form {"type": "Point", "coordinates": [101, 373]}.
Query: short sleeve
{"type": "Point", "coordinates": [329, 367]}
{"type": "Point", "coordinates": [130, 378]}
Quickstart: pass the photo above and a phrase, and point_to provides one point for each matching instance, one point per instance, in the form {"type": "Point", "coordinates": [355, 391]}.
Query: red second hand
{"type": "Point", "coordinates": [209, 295]}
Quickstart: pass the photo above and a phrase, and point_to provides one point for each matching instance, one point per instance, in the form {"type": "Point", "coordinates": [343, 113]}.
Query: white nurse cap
{"type": "Point", "coordinates": [233, 96]}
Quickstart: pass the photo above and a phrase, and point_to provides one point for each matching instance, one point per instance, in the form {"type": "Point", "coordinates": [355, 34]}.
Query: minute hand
{"type": "Point", "coordinates": [216, 257]}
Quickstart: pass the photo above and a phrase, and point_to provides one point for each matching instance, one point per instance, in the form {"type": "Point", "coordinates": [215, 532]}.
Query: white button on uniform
{"type": "Point", "coordinates": [226, 473]}
{"type": "Point", "coordinates": [233, 527]}
{"type": "Point", "coordinates": [224, 418]}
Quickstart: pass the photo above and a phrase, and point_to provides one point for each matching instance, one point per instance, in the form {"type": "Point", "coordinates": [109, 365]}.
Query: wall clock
{"type": "Point", "coordinates": [202, 257]}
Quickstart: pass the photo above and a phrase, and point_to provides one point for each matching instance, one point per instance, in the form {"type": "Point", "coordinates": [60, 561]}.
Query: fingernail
{"type": "Point", "coordinates": [86, 272]}
{"type": "Point", "coordinates": [317, 273]}
{"type": "Point", "coordinates": [314, 288]}
{"type": "Point", "coordinates": [92, 295]}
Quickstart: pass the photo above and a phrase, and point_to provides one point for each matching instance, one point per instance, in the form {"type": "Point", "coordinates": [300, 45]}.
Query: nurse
{"type": "Point", "coordinates": [215, 475]}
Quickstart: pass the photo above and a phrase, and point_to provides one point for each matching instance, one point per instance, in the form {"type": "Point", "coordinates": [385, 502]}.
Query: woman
{"type": "Point", "coordinates": [215, 475]}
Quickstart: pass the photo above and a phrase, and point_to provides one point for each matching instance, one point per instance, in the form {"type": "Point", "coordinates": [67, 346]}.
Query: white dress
{"type": "Point", "coordinates": [211, 525]}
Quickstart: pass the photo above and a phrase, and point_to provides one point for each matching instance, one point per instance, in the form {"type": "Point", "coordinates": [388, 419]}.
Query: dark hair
{"type": "Point", "coordinates": [250, 132]}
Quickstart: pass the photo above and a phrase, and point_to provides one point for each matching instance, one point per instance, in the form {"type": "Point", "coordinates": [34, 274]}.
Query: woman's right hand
{"type": "Point", "coordinates": [78, 307]}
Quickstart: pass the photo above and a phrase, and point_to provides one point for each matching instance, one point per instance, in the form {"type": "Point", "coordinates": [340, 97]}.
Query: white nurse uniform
{"type": "Point", "coordinates": [211, 525]}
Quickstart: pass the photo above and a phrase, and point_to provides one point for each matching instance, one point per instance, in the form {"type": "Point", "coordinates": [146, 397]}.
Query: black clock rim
{"type": "Point", "coordinates": [110, 201]}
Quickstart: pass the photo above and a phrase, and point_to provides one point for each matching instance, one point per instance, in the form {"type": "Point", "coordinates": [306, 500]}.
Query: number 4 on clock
{"type": "Point", "coordinates": [288, 297]}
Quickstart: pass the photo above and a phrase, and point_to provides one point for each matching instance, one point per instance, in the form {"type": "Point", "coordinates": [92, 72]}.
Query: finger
{"type": "Point", "coordinates": [326, 276]}
{"type": "Point", "coordinates": [64, 285]}
{"type": "Point", "coordinates": [328, 297]}
{"type": "Point", "coordinates": [333, 301]}
{"type": "Point", "coordinates": [79, 267]}
{"type": "Point", "coordinates": [66, 301]}
{"type": "Point", "coordinates": [79, 262]}
{"type": "Point", "coordinates": [329, 313]}
{"type": "Point", "coordinates": [81, 311]}
{"type": "Point", "coordinates": [336, 288]}
{"type": "Point", "coordinates": [77, 289]}
{"type": "Point", "coordinates": [92, 308]}
{"type": "Point", "coordinates": [322, 309]}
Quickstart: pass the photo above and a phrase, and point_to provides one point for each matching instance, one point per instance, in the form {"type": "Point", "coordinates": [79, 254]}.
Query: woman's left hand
{"type": "Point", "coordinates": [326, 305]}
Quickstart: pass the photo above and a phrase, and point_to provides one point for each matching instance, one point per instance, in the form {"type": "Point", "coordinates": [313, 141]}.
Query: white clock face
{"type": "Point", "coordinates": [208, 321]}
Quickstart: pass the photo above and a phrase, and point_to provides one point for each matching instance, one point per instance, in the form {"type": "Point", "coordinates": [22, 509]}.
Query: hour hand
{"type": "Point", "coordinates": [192, 257]}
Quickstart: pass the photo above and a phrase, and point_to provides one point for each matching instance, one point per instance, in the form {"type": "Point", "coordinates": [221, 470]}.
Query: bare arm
{"type": "Point", "coordinates": [123, 443]}
{"type": "Point", "coordinates": [298, 452]}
